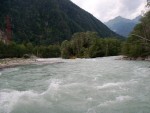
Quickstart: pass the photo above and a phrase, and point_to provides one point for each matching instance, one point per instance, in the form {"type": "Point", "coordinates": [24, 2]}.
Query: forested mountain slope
{"type": "Point", "coordinates": [48, 21]}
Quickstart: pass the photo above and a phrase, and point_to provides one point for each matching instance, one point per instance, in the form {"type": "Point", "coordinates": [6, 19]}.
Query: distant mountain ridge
{"type": "Point", "coordinates": [48, 21]}
{"type": "Point", "coordinates": [123, 26]}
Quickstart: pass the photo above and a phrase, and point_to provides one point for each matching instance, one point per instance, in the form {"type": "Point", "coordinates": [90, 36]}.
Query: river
{"type": "Point", "coordinates": [101, 85]}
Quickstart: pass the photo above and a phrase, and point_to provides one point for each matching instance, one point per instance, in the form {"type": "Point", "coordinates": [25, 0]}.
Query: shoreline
{"type": "Point", "coordinates": [134, 59]}
{"type": "Point", "coordinates": [13, 62]}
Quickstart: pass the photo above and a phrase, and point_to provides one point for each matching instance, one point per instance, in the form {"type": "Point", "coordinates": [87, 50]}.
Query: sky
{"type": "Point", "coordinates": [106, 10]}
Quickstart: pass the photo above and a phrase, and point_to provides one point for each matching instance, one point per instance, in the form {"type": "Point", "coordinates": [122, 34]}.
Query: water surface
{"type": "Point", "coordinates": [101, 85]}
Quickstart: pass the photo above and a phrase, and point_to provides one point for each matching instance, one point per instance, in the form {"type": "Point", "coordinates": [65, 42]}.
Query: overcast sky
{"type": "Point", "coordinates": [105, 10]}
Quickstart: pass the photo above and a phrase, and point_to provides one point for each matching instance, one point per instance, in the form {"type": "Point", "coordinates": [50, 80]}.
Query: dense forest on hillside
{"type": "Point", "coordinates": [44, 22]}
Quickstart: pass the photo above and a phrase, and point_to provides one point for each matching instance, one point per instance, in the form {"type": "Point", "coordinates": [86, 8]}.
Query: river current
{"type": "Point", "coordinates": [101, 85]}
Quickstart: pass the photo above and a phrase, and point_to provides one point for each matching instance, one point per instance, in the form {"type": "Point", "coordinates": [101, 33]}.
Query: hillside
{"type": "Point", "coordinates": [48, 21]}
{"type": "Point", "coordinates": [122, 25]}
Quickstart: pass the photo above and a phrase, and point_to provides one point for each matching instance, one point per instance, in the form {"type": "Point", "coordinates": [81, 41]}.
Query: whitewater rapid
{"type": "Point", "coordinates": [101, 85]}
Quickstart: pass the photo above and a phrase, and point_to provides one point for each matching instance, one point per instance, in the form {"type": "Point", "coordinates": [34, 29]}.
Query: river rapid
{"type": "Point", "coordinates": [101, 85]}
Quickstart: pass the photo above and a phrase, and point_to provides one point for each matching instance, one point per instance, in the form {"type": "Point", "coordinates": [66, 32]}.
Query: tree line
{"type": "Point", "coordinates": [27, 50]}
{"type": "Point", "coordinates": [89, 45]}
{"type": "Point", "coordinates": [81, 45]}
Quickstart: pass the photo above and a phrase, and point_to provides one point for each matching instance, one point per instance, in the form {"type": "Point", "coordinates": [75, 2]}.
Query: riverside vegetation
{"type": "Point", "coordinates": [138, 43]}
{"type": "Point", "coordinates": [82, 45]}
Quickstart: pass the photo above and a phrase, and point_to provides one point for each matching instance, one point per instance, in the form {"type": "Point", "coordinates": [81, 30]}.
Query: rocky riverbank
{"type": "Point", "coordinates": [13, 62]}
{"type": "Point", "coordinates": [137, 58]}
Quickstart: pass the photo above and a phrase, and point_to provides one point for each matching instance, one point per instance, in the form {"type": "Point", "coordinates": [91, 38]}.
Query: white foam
{"type": "Point", "coordinates": [117, 84]}
{"type": "Point", "coordinates": [123, 98]}
{"type": "Point", "coordinates": [49, 59]}
{"type": "Point", "coordinates": [108, 85]}
{"type": "Point", "coordinates": [89, 99]}
{"type": "Point", "coordinates": [9, 98]}
{"type": "Point", "coordinates": [119, 99]}
{"type": "Point", "coordinates": [53, 87]}
{"type": "Point", "coordinates": [94, 60]}
{"type": "Point", "coordinates": [91, 110]}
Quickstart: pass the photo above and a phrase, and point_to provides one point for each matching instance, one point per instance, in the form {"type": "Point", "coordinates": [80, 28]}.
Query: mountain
{"type": "Point", "coordinates": [122, 25]}
{"type": "Point", "coordinates": [137, 19]}
{"type": "Point", "coordinates": [48, 21]}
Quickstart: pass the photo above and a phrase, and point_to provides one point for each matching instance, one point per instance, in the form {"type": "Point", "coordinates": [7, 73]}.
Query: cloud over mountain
{"type": "Point", "coordinates": [108, 9]}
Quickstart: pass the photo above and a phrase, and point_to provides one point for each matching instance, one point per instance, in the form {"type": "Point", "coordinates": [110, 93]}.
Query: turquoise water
{"type": "Point", "coordinates": [101, 85]}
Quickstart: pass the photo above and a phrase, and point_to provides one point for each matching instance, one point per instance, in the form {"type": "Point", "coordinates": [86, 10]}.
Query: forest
{"type": "Point", "coordinates": [48, 21]}
{"type": "Point", "coordinates": [89, 45]}
{"type": "Point", "coordinates": [81, 45]}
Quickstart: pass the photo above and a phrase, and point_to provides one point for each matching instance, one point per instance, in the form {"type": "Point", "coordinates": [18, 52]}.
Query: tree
{"type": "Point", "coordinates": [97, 49]}
{"type": "Point", "coordinates": [138, 43]}
{"type": "Point", "coordinates": [81, 42]}
{"type": "Point", "coordinates": [3, 48]}
{"type": "Point", "coordinates": [88, 44]}
{"type": "Point", "coordinates": [66, 49]}
{"type": "Point", "coordinates": [29, 48]}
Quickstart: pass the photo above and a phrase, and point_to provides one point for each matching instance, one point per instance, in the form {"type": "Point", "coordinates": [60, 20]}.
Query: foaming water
{"type": "Point", "coordinates": [117, 84]}
{"type": "Point", "coordinates": [102, 85]}
{"type": "Point", "coordinates": [117, 100]}
{"type": "Point", "coordinates": [10, 98]}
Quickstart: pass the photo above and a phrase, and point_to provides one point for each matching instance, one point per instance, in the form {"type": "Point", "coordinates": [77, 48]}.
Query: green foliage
{"type": "Point", "coordinates": [21, 50]}
{"type": "Point", "coordinates": [29, 48]}
{"type": "Point", "coordinates": [89, 45]}
{"type": "Point", "coordinates": [12, 50]}
{"type": "Point", "coordinates": [97, 49]}
{"type": "Point", "coordinates": [66, 49]}
{"type": "Point", "coordinates": [81, 43]}
{"type": "Point", "coordinates": [138, 44]}
{"type": "Point", "coordinates": [50, 51]}
{"type": "Point", "coordinates": [105, 47]}
{"type": "Point", "coordinates": [2, 49]}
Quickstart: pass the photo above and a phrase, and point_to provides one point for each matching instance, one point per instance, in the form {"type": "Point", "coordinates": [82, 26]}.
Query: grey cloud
{"type": "Point", "coordinates": [108, 9]}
